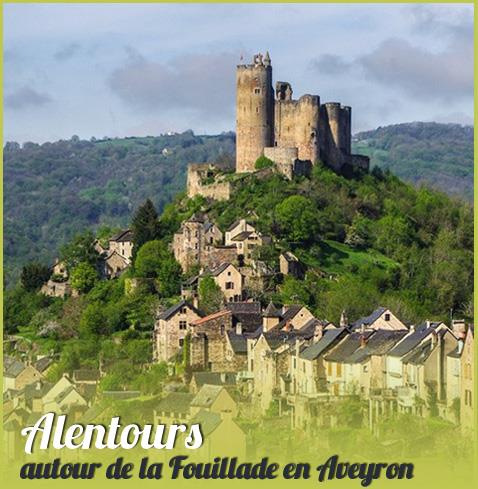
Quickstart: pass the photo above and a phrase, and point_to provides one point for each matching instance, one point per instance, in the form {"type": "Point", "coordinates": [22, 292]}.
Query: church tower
{"type": "Point", "coordinates": [254, 112]}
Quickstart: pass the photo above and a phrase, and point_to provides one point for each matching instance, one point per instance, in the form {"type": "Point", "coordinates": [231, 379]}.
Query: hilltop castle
{"type": "Point", "coordinates": [275, 125]}
{"type": "Point", "coordinates": [294, 134]}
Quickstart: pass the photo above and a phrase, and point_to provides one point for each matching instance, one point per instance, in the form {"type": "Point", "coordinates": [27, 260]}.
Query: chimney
{"type": "Point", "coordinates": [318, 333]}
{"type": "Point", "coordinates": [461, 344]}
{"type": "Point", "coordinates": [195, 301]}
{"type": "Point", "coordinates": [458, 327]}
{"type": "Point", "coordinates": [297, 347]}
{"type": "Point", "coordinates": [344, 322]}
{"type": "Point", "coordinates": [428, 323]}
{"type": "Point", "coordinates": [363, 340]}
{"type": "Point", "coordinates": [239, 328]}
{"type": "Point", "coordinates": [362, 328]}
{"type": "Point", "coordinates": [434, 339]}
{"type": "Point", "coordinates": [412, 328]}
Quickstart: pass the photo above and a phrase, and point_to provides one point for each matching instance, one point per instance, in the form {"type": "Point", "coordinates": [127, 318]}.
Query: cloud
{"type": "Point", "coordinates": [331, 64]}
{"type": "Point", "coordinates": [67, 51]}
{"type": "Point", "coordinates": [420, 73]}
{"type": "Point", "coordinates": [26, 97]}
{"type": "Point", "coordinates": [201, 83]}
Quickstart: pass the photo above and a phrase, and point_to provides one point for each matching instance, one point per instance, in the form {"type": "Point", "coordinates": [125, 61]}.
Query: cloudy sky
{"type": "Point", "coordinates": [124, 70]}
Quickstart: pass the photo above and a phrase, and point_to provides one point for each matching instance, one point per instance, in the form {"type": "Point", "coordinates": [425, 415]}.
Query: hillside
{"type": "Point", "coordinates": [438, 155]}
{"type": "Point", "coordinates": [365, 242]}
{"type": "Point", "coordinates": [54, 190]}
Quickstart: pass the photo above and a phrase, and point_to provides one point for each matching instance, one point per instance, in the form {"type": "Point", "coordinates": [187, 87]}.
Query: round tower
{"type": "Point", "coordinates": [254, 112]}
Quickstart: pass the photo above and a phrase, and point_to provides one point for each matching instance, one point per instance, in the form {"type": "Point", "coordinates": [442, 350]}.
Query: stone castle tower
{"type": "Point", "coordinates": [284, 129]}
{"type": "Point", "coordinates": [255, 112]}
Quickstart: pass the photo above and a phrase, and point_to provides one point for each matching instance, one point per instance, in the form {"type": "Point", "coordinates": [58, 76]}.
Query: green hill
{"type": "Point", "coordinates": [437, 155]}
{"type": "Point", "coordinates": [54, 190]}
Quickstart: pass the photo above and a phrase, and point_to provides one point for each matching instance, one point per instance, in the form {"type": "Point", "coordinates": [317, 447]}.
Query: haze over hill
{"type": "Point", "coordinates": [55, 190]}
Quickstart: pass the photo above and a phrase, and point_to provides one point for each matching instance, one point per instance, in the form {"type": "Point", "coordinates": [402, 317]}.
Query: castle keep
{"type": "Point", "coordinates": [273, 124]}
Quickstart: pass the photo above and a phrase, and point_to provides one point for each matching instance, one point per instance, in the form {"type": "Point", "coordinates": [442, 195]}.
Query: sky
{"type": "Point", "coordinates": [98, 70]}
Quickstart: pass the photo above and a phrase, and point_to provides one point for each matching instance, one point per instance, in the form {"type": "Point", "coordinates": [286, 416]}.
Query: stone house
{"type": "Point", "coordinates": [209, 342]}
{"type": "Point", "coordinates": [468, 399]}
{"type": "Point", "coordinates": [230, 281]}
{"type": "Point", "coordinates": [17, 375]}
{"type": "Point", "coordinates": [221, 434]}
{"type": "Point", "coordinates": [343, 380]}
{"type": "Point", "coordinates": [171, 328]}
{"type": "Point", "coordinates": [246, 242]}
{"type": "Point", "coordinates": [424, 375]}
{"type": "Point", "coordinates": [194, 241]}
{"type": "Point", "coordinates": [289, 264]}
{"type": "Point", "coordinates": [54, 288]}
{"type": "Point", "coordinates": [214, 398]}
{"type": "Point", "coordinates": [59, 269]}
{"type": "Point", "coordinates": [122, 243]}
{"type": "Point", "coordinates": [381, 318]}
{"type": "Point", "coordinates": [236, 228]}
{"type": "Point", "coordinates": [175, 408]}
{"type": "Point", "coordinates": [308, 374]}
{"type": "Point", "coordinates": [62, 397]}
{"type": "Point", "coordinates": [224, 379]}
{"type": "Point", "coordinates": [368, 362]}
{"type": "Point", "coordinates": [453, 382]}
{"type": "Point", "coordinates": [218, 341]}
{"type": "Point", "coordinates": [113, 264]}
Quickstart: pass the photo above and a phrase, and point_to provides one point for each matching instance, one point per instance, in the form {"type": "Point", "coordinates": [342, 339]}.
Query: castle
{"type": "Point", "coordinates": [294, 134]}
{"type": "Point", "coordinates": [275, 125]}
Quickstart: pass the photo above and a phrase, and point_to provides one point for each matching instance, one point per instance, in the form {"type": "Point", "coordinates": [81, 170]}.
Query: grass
{"type": "Point", "coordinates": [338, 258]}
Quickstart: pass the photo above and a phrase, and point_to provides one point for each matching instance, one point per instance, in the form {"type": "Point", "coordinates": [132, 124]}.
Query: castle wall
{"type": "Point", "coordinates": [255, 113]}
{"type": "Point", "coordinates": [201, 181]}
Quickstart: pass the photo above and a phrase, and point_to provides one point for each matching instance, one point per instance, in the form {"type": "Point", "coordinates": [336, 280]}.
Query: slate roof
{"type": "Point", "coordinates": [412, 340]}
{"type": "Point", "coordinates": [368, 320]}
{"type": "Point", "coordinates": [328, 339]}
{"type": "Point", "coordinates": [238, 342]}
{"type": "Point", "coordinates": [206, 395]}
{"type": "Point", "coordinates": [218, 270]}
{"type": "Point", "coordinates": [241, 236]}
{"type": "Point", "coordinates": [247, 313]}
{"type": "Point", "coordinates": [168, 313]}
{"type": "Point", "coordinates": [419, 355]}
{"type": "Point", "coordinates": [214, 378]}
{"type": "Point", "coordinates": [233, 225]}
{"type": "Point", "coordinates": [208, 421]}
{"type": "Point", "coordinates": [36, 390]}
{"type": "Point", "coordinates": [175, 402]}
{"type": "Point", "coordinates": [347, 346]}
{"type": "Point", "coordinates": [123, 236]}
{"type": "Point", "coordinates": [14, 368]}
{"type": "Point", "coordinates": [378, 344]}
{"type": "Point", "coordinates": [271, 311]}
{"type": "Point", "coordinates": [43, 363]}
{"type": "Point", "coordinates": [85, 375]}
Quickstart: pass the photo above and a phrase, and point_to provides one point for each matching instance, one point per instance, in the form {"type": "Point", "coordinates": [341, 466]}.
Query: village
{"type": "Point", "coordinates": [245, 359]}
{"type": "Point", "coordinates": [248, 358]}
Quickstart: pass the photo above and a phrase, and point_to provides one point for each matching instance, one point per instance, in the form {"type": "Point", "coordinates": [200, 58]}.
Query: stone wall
{"type": "Point", "coordinates": [209, 343]}
{"type": "Point", "coordinates": [204, 179]}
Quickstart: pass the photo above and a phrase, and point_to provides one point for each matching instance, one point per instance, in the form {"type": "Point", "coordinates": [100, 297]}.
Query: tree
{"type": "Point", "coordinates": [358, 233]}
{"type": "Point", "coordinates": [155, 261]}
{"type": "Point", "coordinates": [297, 219]}
{"type": "Point", "coordinates": [83, 277]}
{"type": "Point", "coordinates": [80, 250]}
{"type": "Point", "coordinates": [263, 162]}
{"type": "Point", "coordinates": [33, 276]}
{"type": "Point", "coordinates": [211, 297]}
{"type": "Point", "coordinates": [145, 225]}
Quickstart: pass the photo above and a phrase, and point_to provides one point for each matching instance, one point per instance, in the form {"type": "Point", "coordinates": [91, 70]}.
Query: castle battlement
{"type": "Point", "coordinates": [267, 119]}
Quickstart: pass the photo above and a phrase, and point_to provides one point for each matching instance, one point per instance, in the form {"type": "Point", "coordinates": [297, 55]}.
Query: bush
{"type": "Point", "coordinates": [263, 162]}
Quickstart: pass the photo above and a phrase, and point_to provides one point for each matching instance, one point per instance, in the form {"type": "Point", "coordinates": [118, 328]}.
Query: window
{"type": "Point", "coordinates": [181, 341]}
{"type": "Point", "coordinates": [294, 362]}
{"type": "Point", "coordinates": [229, 285]}
{"type": "Point", "coordinates": [257, 90]}
{"type": "Point", "coordinates": [468, 398]}
{"type": "Point", "coordinates": [365, 368]}
{"type": "Point", "coordinates": [229, 274]}
{"type": "Point", "coordinates": [387, 317]}
{"type": "Point", "coordinates": [184, 310]}
{"type": "Point", "coordinates": [339, 370]}
{"type": "Point", "coordinates": [183, 325]}
{"type": "Point", "coordinates": [223, 328]}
